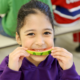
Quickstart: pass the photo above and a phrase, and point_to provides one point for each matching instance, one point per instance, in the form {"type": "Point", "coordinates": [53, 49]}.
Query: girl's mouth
{"type": "Point", "coordinates": [41, 50]}
{"type": "Point", "coordinates": [38, 49]}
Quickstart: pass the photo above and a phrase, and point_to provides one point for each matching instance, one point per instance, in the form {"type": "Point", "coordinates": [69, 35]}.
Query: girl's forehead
{"type": "Point", "coordinates": [37, 20]}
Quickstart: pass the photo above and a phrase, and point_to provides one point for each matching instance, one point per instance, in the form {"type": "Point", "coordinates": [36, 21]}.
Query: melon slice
{"type": "Point", "coordinates": [44, 52]}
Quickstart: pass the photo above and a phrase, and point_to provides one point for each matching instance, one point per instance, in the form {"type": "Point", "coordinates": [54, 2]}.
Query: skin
{"type": "Point", "coordinates": [37, 33]}
{"type": "Point", "coordinates": [64, 57]}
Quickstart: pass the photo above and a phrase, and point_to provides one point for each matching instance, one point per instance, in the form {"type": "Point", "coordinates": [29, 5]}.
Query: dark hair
{"type": "Point", "coordinates": [31, 8]}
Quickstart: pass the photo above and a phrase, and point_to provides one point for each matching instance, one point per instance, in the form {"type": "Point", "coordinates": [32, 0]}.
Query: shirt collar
{"type": "Point", "coordinates": [44, 64]}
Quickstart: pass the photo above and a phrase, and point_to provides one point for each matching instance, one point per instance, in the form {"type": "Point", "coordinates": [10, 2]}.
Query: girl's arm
{"type": "Point", "coordinates": [6, 73]}
{"type": "Point", "coordinates": [65, 60]}
{"type": "Point", "coordinates": [4, 6]}
{"type": "Point", "coordinates": [69, 74]}
{"type": "Point", "coordinates": [9, 68]}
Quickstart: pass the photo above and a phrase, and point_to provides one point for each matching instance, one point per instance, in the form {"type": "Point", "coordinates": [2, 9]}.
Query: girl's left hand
{"type": "Point", "coordinates": [64, 57]}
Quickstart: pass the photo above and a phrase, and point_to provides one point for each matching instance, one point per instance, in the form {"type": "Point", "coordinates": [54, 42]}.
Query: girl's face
{"type": "Point", "coordinates": [37, 34]}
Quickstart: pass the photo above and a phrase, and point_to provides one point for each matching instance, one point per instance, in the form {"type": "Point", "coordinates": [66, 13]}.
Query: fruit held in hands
{"type": "Point", "coordinates": [44, 52]}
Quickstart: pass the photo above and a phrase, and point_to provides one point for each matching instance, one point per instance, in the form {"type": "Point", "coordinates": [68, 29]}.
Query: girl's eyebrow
{"type": "Point", "coordinates": [48, 29]}
{"type": "Point", "coordinates": [29, 30]}
{"type": "Point", "coordinates": [35, 30]}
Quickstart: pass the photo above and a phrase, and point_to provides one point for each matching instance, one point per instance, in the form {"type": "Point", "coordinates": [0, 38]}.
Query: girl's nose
{"type": "Point", "coordinates": [40, 41]}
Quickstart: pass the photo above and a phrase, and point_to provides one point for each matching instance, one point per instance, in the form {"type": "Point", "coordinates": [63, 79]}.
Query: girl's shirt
{"type": "Point", "coordinates": [48, 69]}
{"type": "Point", "coordinates": [66, 12]}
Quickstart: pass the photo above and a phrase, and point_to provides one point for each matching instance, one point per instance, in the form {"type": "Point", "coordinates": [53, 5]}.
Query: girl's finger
{"type": "Point", "coordinates": [64, 51]}
{"type": "Point", "coordinates": [25, 48]}
{"type": "Point", "coordinates": [21, 53]}
{"type": "Point", "coordinates": [61, 58]}
{"type": "Point", "coordinates": [18, 49]}
{"type": "Point", "coordinates": [66, 56]}
{"type": "Point", "coordinates": [60, 54]}
{"type": "Point", "coordinates": [59, 49]}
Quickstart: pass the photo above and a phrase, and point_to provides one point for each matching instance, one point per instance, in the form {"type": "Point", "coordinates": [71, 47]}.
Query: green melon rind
{"type": "Point", "coordinates": [39, 53]}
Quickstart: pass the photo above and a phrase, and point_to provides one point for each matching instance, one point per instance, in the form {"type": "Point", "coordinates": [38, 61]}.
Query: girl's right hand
{"type": "Point", "coordinates": [16, 58]}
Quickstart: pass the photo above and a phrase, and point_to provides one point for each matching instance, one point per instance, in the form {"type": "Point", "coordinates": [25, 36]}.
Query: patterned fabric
{"type": "Point", "coordinates": [67, 12]}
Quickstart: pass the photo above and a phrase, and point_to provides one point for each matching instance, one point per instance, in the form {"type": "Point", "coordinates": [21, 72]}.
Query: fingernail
{"type": "Point", "coordinates": [52, 51]}
{"type": "Point", "coordinates": [25, 48]}
{"type": "Point", "coordinates": [27, 54]}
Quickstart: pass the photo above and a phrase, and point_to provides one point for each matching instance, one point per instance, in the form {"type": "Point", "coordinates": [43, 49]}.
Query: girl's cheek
{"type": "Point", "coordinates": [50, 41]}
{"type": "Point", "coordinates": [27, 43]}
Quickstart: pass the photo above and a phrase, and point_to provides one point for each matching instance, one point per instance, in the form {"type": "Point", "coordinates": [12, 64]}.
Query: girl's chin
{"type": "Point", "coordinates": [38, 58]}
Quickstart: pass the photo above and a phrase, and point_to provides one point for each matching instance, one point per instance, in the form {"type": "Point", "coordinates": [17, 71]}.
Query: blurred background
{"type": "Point", "coordinates": [63, 38]}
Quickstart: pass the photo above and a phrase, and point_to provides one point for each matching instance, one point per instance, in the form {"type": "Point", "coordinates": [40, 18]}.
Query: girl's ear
{"type": "Point", "coordinates": [18, 39]}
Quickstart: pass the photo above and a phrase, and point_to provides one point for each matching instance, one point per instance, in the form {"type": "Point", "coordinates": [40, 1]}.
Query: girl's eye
{"type": "Point", "coordinates": [30, 34]}
{"type": "Point", "coordinates": [47, 33]}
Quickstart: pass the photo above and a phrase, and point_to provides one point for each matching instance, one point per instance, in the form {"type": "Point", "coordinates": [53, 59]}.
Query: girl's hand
{"type": "Point", "coordinates": [64, 57]}
{"type": "Point", "coordinates": [16, 57]}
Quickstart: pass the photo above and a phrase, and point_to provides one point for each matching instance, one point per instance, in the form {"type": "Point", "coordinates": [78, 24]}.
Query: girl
{"type": "Point", "coordinates": [35, 32]}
